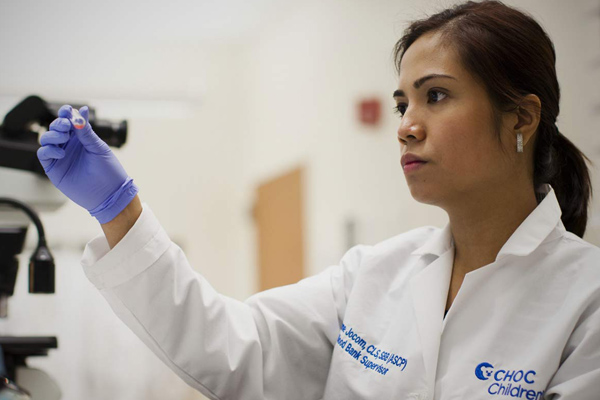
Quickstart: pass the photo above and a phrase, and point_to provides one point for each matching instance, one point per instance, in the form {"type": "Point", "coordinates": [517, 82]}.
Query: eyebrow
{"type": "Point", "coordinates": [417, 84]}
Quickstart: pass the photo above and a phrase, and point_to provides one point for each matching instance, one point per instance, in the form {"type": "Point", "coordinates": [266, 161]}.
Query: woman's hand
{"type": "Point", "coordinates": [83, 167]}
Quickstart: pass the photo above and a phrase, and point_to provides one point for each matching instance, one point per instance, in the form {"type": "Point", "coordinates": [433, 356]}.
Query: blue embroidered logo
{"type": "Point", "coordinates": [484, 371]}
{"type": "Point", "coordinates": [508, 382]}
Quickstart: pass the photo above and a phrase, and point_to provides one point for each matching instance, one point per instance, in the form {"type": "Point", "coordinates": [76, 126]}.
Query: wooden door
{"type": "Point", "coordinates": [278, 214]}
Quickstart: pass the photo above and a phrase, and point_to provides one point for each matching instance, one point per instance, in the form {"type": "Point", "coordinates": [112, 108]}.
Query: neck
{"type": "Point", "coordinates": [482, 225]}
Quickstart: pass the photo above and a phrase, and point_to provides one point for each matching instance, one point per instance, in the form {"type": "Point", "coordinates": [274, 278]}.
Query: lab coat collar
{"type": "Point", "coordinates": [526, 238]}
{"type": "Point", "coordinates": [429, 288]}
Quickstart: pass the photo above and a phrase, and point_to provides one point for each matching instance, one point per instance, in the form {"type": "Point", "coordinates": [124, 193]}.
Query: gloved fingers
{"type": "Point", "coordinates": [85, 113]}
{"type": "Point", "coordinates": [88, 138]}
{"type": "Point", "coordinates": [60, 125]}
{"type": "Point", "coordinates": [65, 112]}
{"type": "Point", "coordinates": [86, 135]}
{"type": "Point", "coordinates": [49, 154]}
{"type": "Point", "coordinates": [54, 137]}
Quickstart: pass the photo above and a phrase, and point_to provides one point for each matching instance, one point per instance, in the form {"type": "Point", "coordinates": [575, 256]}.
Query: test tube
{"type": "Point", "coordinates": [77, 120]}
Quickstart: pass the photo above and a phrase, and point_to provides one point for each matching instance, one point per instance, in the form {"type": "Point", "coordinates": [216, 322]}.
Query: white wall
{"type": "Point", "coordinates": [211, 118]}
{"type": "Point", "coordinates": [308, 71]}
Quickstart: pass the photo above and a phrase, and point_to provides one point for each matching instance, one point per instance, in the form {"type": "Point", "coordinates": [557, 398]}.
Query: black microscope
{"type": "Point", "coordinates": [25, 189]}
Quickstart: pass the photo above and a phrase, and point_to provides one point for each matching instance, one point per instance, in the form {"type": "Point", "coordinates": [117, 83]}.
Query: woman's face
{"type": "Point", "coordinates": [448, 123]}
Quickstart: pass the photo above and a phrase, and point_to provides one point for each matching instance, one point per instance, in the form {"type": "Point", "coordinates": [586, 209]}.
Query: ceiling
{"type": "Point", "coordinates": [137, 20]}
{"type": "Point", "coordinates": [124, 49]}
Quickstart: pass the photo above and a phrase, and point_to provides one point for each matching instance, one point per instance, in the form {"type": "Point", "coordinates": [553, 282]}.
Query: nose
{"type": "Point", "coordinates": [410, 132]}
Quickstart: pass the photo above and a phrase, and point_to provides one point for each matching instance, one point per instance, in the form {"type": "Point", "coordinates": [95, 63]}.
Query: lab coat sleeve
{"type": "Point", "coordinates": [578, 377]}
{"type": "Point", "coordinates": [276, 345]}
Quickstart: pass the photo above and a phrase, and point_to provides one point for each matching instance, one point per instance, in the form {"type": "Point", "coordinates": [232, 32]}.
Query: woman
{"type": "Point", "coordinates": [520, 287]}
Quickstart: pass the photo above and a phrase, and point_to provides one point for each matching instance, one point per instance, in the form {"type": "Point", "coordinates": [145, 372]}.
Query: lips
{"type": "Point", "coordinates": [410, 158]}
{"type": "Point", "coordinates": [413, 166]}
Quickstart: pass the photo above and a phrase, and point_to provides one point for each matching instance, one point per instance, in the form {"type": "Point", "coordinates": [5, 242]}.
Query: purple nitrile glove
{"type": "Point", "coordinates": [82, 166]}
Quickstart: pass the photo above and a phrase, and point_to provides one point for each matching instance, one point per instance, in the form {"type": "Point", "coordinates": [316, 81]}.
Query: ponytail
{"type": "Point", "coordinates": [561, 164]}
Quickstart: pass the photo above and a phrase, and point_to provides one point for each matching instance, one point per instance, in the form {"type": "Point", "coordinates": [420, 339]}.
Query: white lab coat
{"type": "Point", "coordinates": [526, 326]}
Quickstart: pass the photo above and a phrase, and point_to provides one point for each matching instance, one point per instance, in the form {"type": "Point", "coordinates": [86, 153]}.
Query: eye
{"type": "Point", "coordinates": [400, 108]}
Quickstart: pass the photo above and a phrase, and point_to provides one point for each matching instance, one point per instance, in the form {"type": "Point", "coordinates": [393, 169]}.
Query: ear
{"type": "Point", "coordinates": [528, 116]}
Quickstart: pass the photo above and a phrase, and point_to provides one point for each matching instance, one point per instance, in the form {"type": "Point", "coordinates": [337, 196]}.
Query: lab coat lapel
{"type": "Point", "coordinates": [429, 290]}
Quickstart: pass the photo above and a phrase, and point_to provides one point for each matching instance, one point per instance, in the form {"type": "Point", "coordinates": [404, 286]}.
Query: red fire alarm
{"type": "Point", "coordinates": [369, 111]}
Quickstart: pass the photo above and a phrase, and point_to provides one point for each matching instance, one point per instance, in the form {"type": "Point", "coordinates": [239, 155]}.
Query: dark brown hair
{"type": "Point", "coordinates": [512, 56]}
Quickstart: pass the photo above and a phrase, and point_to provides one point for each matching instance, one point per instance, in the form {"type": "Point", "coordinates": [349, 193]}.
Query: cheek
{"type": "Point", "coordinates": [465, 149]}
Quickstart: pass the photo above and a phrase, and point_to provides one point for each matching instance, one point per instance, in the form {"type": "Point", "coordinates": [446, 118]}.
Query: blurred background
{"type": "Point", "coordinates": [260, 134]}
